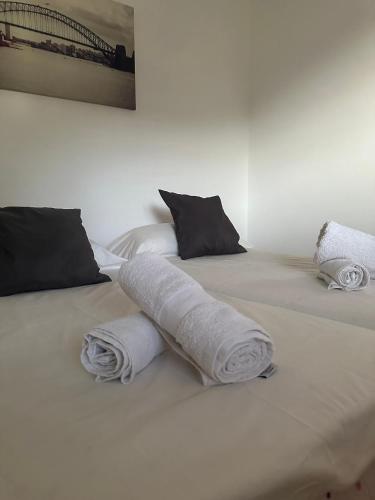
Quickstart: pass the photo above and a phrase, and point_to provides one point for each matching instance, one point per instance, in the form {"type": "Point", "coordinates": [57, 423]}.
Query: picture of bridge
{"type": "Point", "coordinates": [81, 51]}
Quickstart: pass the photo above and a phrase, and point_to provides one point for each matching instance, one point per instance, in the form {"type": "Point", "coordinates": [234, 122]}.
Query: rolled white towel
{"type": "Point", "coordinates": [221, 343]}
{"type": "Point", "coordinates": [344, 274]}
{"type": "Point", "coordinates": [340, 242]}
{"type": "Point", "coordinates": [121, 348]}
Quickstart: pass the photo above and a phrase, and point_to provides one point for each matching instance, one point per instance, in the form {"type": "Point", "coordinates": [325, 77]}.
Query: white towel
{"type": "Point", "coordinates": [341, 242]}
{"type": "Point", "coordinates": [121, 348]}
{"type": "Point", "coordinates": [221, 343]}
{"type": "Point", "coordinates": [344, 274]}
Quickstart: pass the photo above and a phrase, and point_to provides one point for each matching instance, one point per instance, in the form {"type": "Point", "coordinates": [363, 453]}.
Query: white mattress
{"type": "Point", "coordinates": [308, 430]}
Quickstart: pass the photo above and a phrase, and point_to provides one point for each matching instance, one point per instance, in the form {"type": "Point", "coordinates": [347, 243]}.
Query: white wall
{"type": "Point", "coordinates": [306, 67]}
{"type": "Point", "coordinates": [189, 133]}
{"type": "Point", "coordinates": [312, 122]}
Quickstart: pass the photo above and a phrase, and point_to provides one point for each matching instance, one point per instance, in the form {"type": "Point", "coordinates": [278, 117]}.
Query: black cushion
{"type": "Point", "coordinates": [44, 248]}
{"type": "Point", "coordinates": [202, 227]}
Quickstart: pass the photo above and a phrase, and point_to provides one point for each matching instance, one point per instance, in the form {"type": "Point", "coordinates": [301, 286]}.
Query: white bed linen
{"type": "Point", "coordinates": [284, 281]}
{"type": "Point", "coordinates": [307, 430]}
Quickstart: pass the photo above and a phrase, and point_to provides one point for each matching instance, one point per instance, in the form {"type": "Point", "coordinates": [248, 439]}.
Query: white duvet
{"type": "Point", "coordinates": [307, 431]}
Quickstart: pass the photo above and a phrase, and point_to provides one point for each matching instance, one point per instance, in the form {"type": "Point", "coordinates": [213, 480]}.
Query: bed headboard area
{"type": "Point", "coordinates": [189, 133]}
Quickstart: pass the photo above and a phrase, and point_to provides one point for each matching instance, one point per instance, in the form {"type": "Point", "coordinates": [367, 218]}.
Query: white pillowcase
{"type": "Point", "coordinates": [105, 258]}
{"type": "Point", "coordinates": [156, 238]}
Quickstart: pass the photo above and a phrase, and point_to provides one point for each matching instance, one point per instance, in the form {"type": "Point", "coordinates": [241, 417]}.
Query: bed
{"type": "Point", "coordinates": [306, 433]}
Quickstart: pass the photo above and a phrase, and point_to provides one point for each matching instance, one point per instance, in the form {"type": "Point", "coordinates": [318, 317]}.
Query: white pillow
{"type": "Point", "coordinates": [156, 238]}
{"type": "Point", "coordinates": [104, 257]}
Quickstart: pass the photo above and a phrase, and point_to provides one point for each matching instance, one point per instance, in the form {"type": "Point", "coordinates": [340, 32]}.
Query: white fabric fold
{"type": "Point", "coordinates": [341, 242]}
{"type": "Point", "coordinates": [344, 274]}
{"type": "Point", "coordinates": [222, 344]}
{"type": "Point", "coordinates": [121, 348]}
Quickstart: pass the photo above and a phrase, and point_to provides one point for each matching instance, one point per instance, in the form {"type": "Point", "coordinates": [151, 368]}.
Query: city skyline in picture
{"type": "Point", "coordinates": [75, 49]}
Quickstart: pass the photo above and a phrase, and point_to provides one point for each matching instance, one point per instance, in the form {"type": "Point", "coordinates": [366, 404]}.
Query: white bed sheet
{"type": "Point", "coordinates": [308, 430]}
{"type": "Point", "coordinates": [283, 281]}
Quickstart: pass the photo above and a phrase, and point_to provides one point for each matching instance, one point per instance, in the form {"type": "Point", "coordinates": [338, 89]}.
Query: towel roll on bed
{"type": "Point", "coordinates": [344, 274]}
{"type": "Point", "coordinates": [121, 348]}
{"type": "Point", "coordinates": [341, 242]}
{"type": "Point", "coordinates": [222, 344]}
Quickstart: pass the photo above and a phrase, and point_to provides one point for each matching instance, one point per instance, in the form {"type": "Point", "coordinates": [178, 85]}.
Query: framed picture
{"type": "Point", "coordinates": [72, 49]}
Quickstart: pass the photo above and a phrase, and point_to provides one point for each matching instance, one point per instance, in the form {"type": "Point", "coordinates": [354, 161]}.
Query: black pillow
{"type": "Point", "coordinates": [44, 248]}
{"type": "Point", "coordinates": [202, 227]}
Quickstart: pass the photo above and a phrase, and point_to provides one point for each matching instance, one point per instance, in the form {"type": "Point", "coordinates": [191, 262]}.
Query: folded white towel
{"type": "Point", "coordinates": [121, 348]}
{"type": "Point", "coordinates": [341, 242]}
{"type": "Point", "coordinates": [221, 343]}
{"type": "Point", "coordinates": [344, 274]}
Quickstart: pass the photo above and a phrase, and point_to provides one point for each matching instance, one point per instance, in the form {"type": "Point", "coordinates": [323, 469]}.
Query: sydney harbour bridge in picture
{"type": "Point", "coordinates": [76, 39]}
